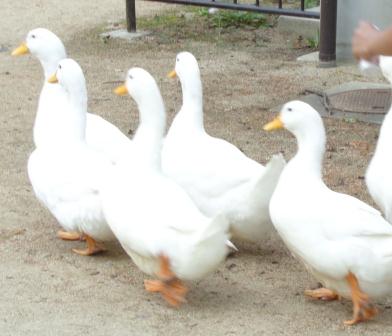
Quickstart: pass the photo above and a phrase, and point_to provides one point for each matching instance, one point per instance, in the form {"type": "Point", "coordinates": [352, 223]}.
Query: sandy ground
{"type": "Point", "coordinates": [48, 290]}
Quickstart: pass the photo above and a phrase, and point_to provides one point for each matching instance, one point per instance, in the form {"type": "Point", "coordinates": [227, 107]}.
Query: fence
{"type": "Point", "coordinates": [327, 16]}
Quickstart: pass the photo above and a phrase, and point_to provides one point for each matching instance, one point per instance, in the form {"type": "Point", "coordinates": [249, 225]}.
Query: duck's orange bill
{"type": "Point", "coordinates": [21, 50]}
{"type": "Point", "coordinates": [172, 74]}
{"type": "Point", "coordinates": [53, 79]}
{"type": "Point", "coordinates": [274, 124]}
{"type": "Point", "coordinates": [121, 90]}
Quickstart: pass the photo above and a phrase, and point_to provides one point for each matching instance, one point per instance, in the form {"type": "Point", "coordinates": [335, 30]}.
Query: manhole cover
{"type": "Point", "coordinates": [363, 104]}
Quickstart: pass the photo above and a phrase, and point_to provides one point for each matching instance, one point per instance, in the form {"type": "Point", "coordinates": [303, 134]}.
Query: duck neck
{"type": "Point", "coordinates": [311, 148]}
{"type": "Point", "coordinates": [385, 136]}
{"type": "Point", "coordinates": [75, 117]}
{"type": "Point", "coordinates": [49, 67]}
{"type": "Point", "coordinates": [50, 62]}
{"type": "Point", "coordinates": [149, 134]}
{"type": "Point", "coordinates": [192, 102]}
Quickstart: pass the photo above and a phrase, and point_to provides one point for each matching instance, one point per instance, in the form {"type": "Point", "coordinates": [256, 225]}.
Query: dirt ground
{"type": "Point", "coordinates": [48, 290]}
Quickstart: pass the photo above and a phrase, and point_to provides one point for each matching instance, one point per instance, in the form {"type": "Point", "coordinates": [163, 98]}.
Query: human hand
{"type": "Point", "coordinates": [364, 38]}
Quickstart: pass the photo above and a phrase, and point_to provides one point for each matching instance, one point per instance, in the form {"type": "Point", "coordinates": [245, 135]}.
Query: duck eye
{"type": "Point", "coordinates": [289, 109]}
{"type": "Point", "coordinates": [59, 66]}
{"type": "Point", "coordinates": [130, 77]}
{"type": "Point", "coordinates": [178, 59]}
{"type": "Point", "coordinates": [33, 36]}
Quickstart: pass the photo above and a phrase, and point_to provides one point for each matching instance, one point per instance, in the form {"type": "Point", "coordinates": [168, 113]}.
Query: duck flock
{"type": "Point", "coordinates": [175, 200]}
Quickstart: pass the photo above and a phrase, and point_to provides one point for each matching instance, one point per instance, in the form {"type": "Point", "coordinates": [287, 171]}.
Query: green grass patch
{"type": "Point", "coordinates": [158, 21]}
{"type": "Point", "coordinates": [237, 19]}
{"type": "Point", "coordinates": [314, 42]}
{"type": "Point", "coordinates": [221, 20]}
{"type": "Point", "coordinates": [196, 24]}
{"type": "Point", "coordinates": [312, 3]}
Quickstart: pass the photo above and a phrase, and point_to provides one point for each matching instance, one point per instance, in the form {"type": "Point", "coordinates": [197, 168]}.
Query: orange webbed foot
{"type": "Point", "coordinates": [92, 248]}
{"type": "Point", "coordinates": [323, 294]}
{"type": "Point", "coordinates": [171, 288]}
{"type": "Point", "coordinates": [65, 235]}
{"type": "Point", "coordinates": [363, 309]}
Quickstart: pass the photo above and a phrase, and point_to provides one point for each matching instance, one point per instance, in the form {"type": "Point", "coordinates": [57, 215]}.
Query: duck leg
{"type": "Point", "coordinates": [363, 309]}
{"type": "Point", "coordinates": [92, 247]}
{"type": "Point", "coordinates": [323, 294]}
{"type": "Point", "coordinates": [171, 288]}
{"type": "Point", "coordinates": [65, 235]}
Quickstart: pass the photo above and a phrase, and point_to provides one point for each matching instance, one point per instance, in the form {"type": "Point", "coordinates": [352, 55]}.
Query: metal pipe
{"type": "Point", "coordinates": [280, 4]}
{"type": "Point", "coordinates": [302, 5]}
{"type": "Point", "coordinates": [245, 7]}
{"type": "Point", "coordinates": [327, 53]}
{"type": "Point", "coordinates": [130, 11]}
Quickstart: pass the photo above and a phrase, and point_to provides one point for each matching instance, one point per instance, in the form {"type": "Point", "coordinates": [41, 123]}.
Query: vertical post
{"type": "Point", "coordinates": [131, 15]}
{"type": "Point", "coordinates": [328, 13]}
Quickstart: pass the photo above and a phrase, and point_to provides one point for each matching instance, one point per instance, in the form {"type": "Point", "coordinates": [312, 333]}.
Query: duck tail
{"type": "Point", "coordinates": [267, 182]}
{"type": "Point", "coordinates": [212, 245]}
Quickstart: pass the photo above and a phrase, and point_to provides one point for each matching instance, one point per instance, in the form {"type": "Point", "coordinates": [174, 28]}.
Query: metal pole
{"type": "Point", "coordinates": [328, 13]}
{"type": "Point", "coordinates": [130, 11]}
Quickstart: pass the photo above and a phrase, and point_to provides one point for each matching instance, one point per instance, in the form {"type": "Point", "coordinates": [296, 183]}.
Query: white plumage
{"type": "Point", "coordinates": [379, 172]}
{"type": "Point", "coordinates": [217, 175]}
{"type": "Point", "coordinates": [66, 174]}
{"type": "Point", "coordinates": [100, 134]}
{"type": "Point", "coordinates": [163, 220]}
{"type": "Point", "coordinates": [336, 236]}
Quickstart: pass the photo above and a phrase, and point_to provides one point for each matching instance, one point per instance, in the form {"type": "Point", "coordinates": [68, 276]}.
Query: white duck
{"type": "Point", "coordinates": [216, 174]}
{"type": "Point", "coordinates": [378, 174]}
{"type": "Point", "coordinates": [164, 232]}
{"type": "Point", "coordinates": [65, 172]}
{"type": "Point", "coordinates": [100, 134]}
{"type": "Point", "coordinates": [345, 243]}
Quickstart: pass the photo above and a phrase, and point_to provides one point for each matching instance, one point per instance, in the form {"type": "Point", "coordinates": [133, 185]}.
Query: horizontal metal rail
{"type": "Point", "coordinates": [246, 7]}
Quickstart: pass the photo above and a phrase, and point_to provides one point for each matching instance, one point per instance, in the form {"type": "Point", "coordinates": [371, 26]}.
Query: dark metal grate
{"type": "Point", "coordinates": [369, 105]}
{"type": "Point", "coordinates": [360, 101]}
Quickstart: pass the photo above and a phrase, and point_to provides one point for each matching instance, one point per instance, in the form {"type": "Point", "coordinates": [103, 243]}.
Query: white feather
{"type": "Point", "coordinates": [217, 175]}
{"type": "Point", "coordinates": [331, 233]}
{"type": "Point", "coordinates": [149, 213]}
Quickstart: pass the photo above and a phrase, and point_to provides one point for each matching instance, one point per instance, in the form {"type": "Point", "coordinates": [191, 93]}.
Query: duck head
{"type": "Point", "coordinates": [186, 66]}
{"type": "Point", "coordinates": [45, 45]}
{"type": "Point", "coordinates": [41, 42]}
{"type": "Point", "coordinates": [69, 75]}
{"type": "Point", "coordinates": [296, 116]}
{"type": "Point", "coordinates": [140, 85]}
{"type": "Point", "coordinates": [304, 122]}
